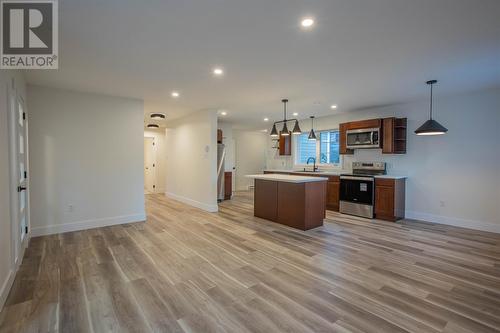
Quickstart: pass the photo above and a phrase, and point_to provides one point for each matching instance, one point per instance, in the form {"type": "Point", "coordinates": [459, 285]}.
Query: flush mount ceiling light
{"type": "Point", "coordinates": [153, 126]}
{"type": "Point", "coordinates": [218, 71]}
{"type": "Point", "coordinates": [431, 127]}
{"type": "Point", "coordinates": [333, 106]}
{"type": "Point", "coordinates": [307, 22]}
{"type": "Point", "coordinates": [157, 116]}
{"type": "Point", "coordinates": [175, 94]}
{"type": "Point", "coordinates": [312, 135]}
{"type": "Point", "coordinates": [284, 130]}
{"type": "Point", "coordinates": [295, 114]}
{"type": "Point", "coordinates": [223, 113]}
{"type": "Point", "coordinates": [266, 119]}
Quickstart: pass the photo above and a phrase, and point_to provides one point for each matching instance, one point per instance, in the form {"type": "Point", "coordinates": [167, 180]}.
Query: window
{"type": "Point", "coordinates": [329, 147]}
{"type": "Point", "coordinates": [305, 148]}
{"type": "Point", "coordinates": [325, 150]}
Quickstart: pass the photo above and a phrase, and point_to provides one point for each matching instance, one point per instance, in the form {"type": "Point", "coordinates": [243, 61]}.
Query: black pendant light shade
{"type": "Point", "coordinates": [312, 135]}
{"type": "Point", "coordinates": [431, 127]}
{"type": "Point", "coordinates": [296, 129]}
{"type": "Point", "coordinates": [284, 130]}
{"type": "Point", "coordinates": [274, 132]}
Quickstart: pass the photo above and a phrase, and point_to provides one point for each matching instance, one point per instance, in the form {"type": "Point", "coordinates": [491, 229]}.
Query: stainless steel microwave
{"type": "Point", "coordinates": [363, 138]}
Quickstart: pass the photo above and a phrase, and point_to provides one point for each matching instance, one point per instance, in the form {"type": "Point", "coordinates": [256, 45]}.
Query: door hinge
{"type": "Point", "coordinates": [154, 165]}
{"type": "Point", "coordinates": [25, 174]}
{"type": "Point", "coordinates": [24, 115]}
{"type": "Point", "coordinates": [154, 186]}
{"type": "Point", "coordinates": [26, 229]}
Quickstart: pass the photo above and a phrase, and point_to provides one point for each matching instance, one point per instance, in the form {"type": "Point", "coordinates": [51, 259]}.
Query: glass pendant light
{"type": "Point", "coordinates": [312, 135]}
{"type": "Point", "coordinates": [431, 127]}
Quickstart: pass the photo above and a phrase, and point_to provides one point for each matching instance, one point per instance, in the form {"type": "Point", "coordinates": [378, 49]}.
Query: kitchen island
{"type": "Point", "coordinates": [296, 201]}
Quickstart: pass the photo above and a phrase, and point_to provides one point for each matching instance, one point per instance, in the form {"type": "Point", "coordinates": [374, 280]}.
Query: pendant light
{"type": "Point", "coordinates": [312, 135]}
{"type": "Point", "coordinates": [431, 127]}
{"type": "Point", "coordinates": [284, 130]}
{"type": "Point", "coordinates": [296, 129]}
{"type": "Point", "coordinates": [274, 132]}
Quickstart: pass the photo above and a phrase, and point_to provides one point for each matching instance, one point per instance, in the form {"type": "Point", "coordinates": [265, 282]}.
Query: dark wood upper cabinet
{"type": "Point", "coordinates": [285, 145]}
{"type": "Point", "coordinates": [343, 140]}
{"type": "Point", "coordinates": [368, 123]}
{"type": "Point", "coordinates": [394, 135]}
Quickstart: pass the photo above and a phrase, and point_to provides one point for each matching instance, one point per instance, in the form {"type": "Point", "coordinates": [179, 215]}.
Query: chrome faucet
{"type": "Point", "coordinates": [315, 168]}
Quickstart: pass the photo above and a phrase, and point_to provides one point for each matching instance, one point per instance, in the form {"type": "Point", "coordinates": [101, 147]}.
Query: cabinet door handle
{"type": "Point", "coordinates": [21, 188]}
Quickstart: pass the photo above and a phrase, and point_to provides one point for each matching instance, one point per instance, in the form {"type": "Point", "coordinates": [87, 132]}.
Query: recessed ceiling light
{"type": "Point", "coordinates": [153, 126]}
{"type": "Point", "coordinates": [223, 113]}
{"type": "Point", "coordinates": [218, 71]}
{"type": "Point", "coordinates": [266, 119]}
{"type": "Point", "coordinates": [334, 106]}
{"type": "Point", "coordinates": [295, 114]}
{"type": "Point", "coordinates": [157, 116]}
{"type": "Point", "coordinates": [175, 94]}
{"type": "Point", "coordinates": [307, 22]}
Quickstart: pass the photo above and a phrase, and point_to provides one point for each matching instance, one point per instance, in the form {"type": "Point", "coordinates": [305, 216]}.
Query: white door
{"type": "Point", "coordinates": [19, 176]}
{"type": "Point", "coordinates": [22, 162]}
{"type": "Point", "coordinates": [149, 165]}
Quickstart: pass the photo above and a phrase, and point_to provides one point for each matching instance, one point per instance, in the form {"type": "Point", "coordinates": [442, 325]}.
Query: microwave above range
{"type": "Point", "coordinates": [363, 138]}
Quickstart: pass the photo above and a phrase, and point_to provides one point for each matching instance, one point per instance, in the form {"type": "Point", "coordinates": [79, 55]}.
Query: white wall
{"type": "Point", "coordinates": [86, 159]}
{"type": "Point", "coordinates": [192, 160]}
{"type": "Point", "coordinates": [250, 156]}
{"type": "Point", "coordinates": [8, 243]}
{"type": "Point", "coordinates": [160, 157]}
{"type": "Point", "coordinates": [454, 178]}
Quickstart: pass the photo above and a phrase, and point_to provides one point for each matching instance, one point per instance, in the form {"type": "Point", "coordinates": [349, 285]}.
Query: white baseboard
{"type": "Point", "coordinates": [4, 291]}
{"type": "Point", "coordinates": [457, 222]}
{"type": "Point", "coordinates": [194, 203]}
{"type": "Point", "coordinates": [88, 224]}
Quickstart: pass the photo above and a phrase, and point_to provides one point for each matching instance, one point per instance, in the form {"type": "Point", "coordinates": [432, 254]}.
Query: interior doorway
{"type": "Point", "coordinates": [149, 165]}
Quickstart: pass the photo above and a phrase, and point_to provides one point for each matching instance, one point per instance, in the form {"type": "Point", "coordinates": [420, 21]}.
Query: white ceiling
{"type": "Point", "coordinates": [361, 53]}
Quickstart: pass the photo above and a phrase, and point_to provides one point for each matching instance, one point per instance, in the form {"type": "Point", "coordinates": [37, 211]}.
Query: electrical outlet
{"type": "Point", "coordinates": [442, 203]}
{"type": "Point", "coordinates": [71, 208]}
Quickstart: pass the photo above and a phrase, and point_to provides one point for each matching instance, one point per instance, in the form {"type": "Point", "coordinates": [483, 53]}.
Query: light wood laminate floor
{"type": "Point", "coordinates": [186, 270]}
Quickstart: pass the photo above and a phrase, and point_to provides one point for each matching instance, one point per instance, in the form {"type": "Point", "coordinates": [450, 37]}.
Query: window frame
{"type": "Point", "coordinates": [318, 151]}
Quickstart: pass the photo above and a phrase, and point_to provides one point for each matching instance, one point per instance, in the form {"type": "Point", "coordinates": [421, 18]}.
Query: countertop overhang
{"type": "Point", "coordinates": [288, 178]}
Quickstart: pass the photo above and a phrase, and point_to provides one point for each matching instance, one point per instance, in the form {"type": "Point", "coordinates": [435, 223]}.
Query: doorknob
{"type": "Point", "coordinates": [21, 188]}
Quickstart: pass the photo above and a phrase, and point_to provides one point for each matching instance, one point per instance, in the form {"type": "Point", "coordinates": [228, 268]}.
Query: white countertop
{"type": "Point", "coordinates": [391, 177]}
{"type": "Point", "coordinates": [326, 173]}
{"type": "Point", "coordinates": [333, 173]}
{"type": "Point", "coordinates": [288, 178]}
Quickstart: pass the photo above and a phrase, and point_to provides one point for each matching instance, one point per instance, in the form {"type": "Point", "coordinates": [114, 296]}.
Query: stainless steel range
{"type": "Point", "coordinates": [357, 190]}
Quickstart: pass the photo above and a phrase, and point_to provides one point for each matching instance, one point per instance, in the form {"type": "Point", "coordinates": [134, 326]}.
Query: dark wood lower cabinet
{"type": "Point", "coordinates": [297, 205]}
{"type": "Point", "coordinates": [333, 194]}
{"type": "Point", "coordinates": [228, 185]}
{"type": "Point", "coordinates": [389, 199]}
